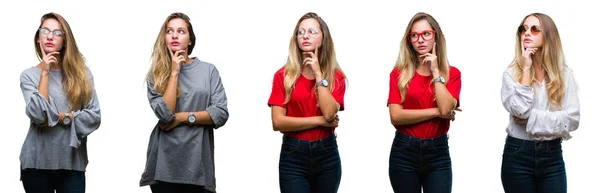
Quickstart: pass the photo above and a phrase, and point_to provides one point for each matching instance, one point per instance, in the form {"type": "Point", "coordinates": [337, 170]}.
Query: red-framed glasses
{"type": "Point", "coordinates": [425, 35]}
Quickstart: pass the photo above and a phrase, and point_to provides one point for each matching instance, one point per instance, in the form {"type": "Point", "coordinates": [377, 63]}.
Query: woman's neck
{"type": "Point", "coordinates": [423, 69]}
{"type": "Point", "coordinates": [188, 59]}
{"type": "Point", "coordinates": [306, 70]}
{"type": "Point", "coordinates": [57, 65]}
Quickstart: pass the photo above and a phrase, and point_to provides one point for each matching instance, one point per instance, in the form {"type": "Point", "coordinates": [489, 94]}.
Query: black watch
{"type": "Point", "coordinates": [191, 118]}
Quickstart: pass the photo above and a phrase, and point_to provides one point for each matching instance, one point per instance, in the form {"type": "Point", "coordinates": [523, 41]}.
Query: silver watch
{"type": "Point", "coordinates": [323, 82]}
{"type": "Point", "coordinates": [191, 118]}
{"type": "Point", "coordinates": [440, 79]}
{"type": "Point", "coordinates": [67, 119]}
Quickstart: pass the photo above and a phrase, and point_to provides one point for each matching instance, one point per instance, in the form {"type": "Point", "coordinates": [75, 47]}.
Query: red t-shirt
{"type": "Point", "coordinates": [420, 95]}
{"type": "Point", "coordinates": [304, 103]}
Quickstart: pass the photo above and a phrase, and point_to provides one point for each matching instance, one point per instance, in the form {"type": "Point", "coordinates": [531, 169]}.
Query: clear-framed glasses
{"type": "Point", "coordinates": [45, 32]}
{"type": "Point", "coordinates": [312, 32]}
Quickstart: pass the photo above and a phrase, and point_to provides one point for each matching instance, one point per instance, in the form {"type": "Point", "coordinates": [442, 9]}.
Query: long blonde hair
{"type": "Point", "coordinates": [327, 59]}
{"type": "Point", "coordinates": [408, 60]}
{"type": "Point", "coordinates": [160, 70]}
{"type": "Point", "coordinates": [75, 80]}
{"type": "Point", "coordinates": [553, 60]}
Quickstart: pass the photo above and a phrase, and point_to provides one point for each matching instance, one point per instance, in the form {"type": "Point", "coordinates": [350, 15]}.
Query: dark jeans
{"type": "Point", "coordinates": [420, 163]}
{"type": "Point", "coordinates": [166, 187]}
{"type": "Point", "coordinates": [46, 181]}
{"type": "Point", "coordinates": [533, 166]}
{"type": "Point", "coordinates": [309, 166]}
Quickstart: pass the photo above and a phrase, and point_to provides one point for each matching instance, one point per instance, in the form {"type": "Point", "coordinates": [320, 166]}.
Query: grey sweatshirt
{"type": "Point", "coordinates": [55, 146]}
{"type": "Point", "coordinates": [185, 154]}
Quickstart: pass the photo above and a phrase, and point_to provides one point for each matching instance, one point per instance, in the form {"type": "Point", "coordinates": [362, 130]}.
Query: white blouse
{"type": "Point", "coordinates": [544, 121]}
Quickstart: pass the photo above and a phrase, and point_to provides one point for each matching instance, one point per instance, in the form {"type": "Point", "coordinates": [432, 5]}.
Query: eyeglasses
{"type": "Point", "coordinates": [535, 29]}
{"type": "Point", "coordinates": [45, 32]}
{"type": "Point", "coordinates": [425, 35]}
{"type": "Point", "coordinates": [312, 32]}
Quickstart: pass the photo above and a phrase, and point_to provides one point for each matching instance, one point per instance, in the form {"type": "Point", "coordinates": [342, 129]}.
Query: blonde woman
{"type": "Point", "coordinates": [63, 109]}
{"type": "Point", "coordinates": [541, 95]}
{"type": "Point", "coordinates": [188, 98]}
{"type": "Point", "coordinates": [424, 93]}
{"type": "Point", "coordinates": [308, 91]}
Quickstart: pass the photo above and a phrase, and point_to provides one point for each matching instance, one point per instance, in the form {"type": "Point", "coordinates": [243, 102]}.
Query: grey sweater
{"type": "Point", "coordinates": [55, 146]}
{"type": "Point", "coordinates": [185, 154]}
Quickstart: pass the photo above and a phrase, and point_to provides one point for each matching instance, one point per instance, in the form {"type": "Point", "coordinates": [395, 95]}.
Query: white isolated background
{"type": "Point", "coordinates": [248, 41]}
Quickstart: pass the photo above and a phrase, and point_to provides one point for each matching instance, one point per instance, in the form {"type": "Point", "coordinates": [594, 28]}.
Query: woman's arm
{"type": "Point", "coordinates": [559, 122]}
{"type": "Point", "coordinates": [158, 104]}
{"type": "Point", "coordinates": [446, 95]}
{"type": "Point", "coordinates": [40, 110]}
{"type": "Point", "coordinates": [281, 122]}
{"type": "Point", "coordinates": [401, 116]}
{"type": "Point", "coordinates": [217, 113]}
{"type": "Point", "coordinates": [517, 99]}
{"type": "Point", "coordinates": [86, 120]}
{"type": "Point", "coordinates": [328, 105]}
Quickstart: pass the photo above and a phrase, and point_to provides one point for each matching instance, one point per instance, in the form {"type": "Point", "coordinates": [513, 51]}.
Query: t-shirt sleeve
{"type": "Point", "coordinates": [394, 95]}
{"type": "Point", "coordinates": [339, 90]}
{"type": "Point", "coordinates": [454, 84]}
{"type": "Point", "coordinates": [277, 97]}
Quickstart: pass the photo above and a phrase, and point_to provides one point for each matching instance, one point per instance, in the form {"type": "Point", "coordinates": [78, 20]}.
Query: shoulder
{"type": "Point", "coordinates": [454, 71]}
{"type": "Point", "coordinates": [280, 73]}
{"type": "Point", "coordinates": [29, 73]}
{"type": "Point", "coordinates": [205, 64]}
{"type": "Point", "coordinates": [395, 73]}
{"type": "Point", "coordinates": [568, 74]}
{"type": "Point", "coordinates": [206, 67]}
{"type": "Point", "coordinates": [88, 72]}
{"type": "Point", "coordinates": [568, 71]}
{"type": "Point", "coordinates": [339, 74]}
{"type": "Point", "coordinates": [510, 70]}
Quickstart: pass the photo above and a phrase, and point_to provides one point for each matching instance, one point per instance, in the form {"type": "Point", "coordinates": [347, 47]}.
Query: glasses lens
{"type": "Point", "coordinates": [44, 31]}
{"type": "Point", "coordinates": [427, 35]}
{"type": "Point", "coordinates": [57, 33]}
{"type": "Point", "coordinates": [300, 32]}
{"type": "Point", "coordinates": [313, 31]}
{"type": "Point", "coordinates": [413, 37]}
{"type": "Point", "coordinates": [522, 30]}
{"type": "Point", "coordinates": [535, 29]}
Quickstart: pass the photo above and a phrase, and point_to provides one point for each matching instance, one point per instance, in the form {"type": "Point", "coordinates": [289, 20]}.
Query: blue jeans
{"type": "Point", "coordinates": [309, 166]}
{"type": "Point", "coordinates": [420, 163]}
{"type": "Point", "coordinates": [533, 166]}
{"type": "Point", "coordinates": [46, 181]}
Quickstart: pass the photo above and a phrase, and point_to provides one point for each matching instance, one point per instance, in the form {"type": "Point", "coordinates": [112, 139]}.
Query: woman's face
{"type": "Point", "coordinates": [50, 36]}
{"type": "Point", "coordinates": [177, 35]}
{"type": "Point", "coordinates": [422, 37]}
{"type": "Point", "coordinates": [531, 33]}
{"type": "Point", "coordinates": [309, 35]}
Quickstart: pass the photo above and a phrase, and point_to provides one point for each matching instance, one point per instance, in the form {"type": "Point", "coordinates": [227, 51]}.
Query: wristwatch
{"type": "Point", "coordinates": [323, 82]}
{"type": "Point", "coordinates": [191, 118]}
{"type": "Point", "coordinates": [67, 119]}
{"type": "Point", "coordinates": [439, 79]}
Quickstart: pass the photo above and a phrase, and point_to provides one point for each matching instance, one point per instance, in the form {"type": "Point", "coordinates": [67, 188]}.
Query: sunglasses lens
{"type": "Point", "coordinates": [522, 30]}
{"type": "Point", "coordinates": [535, 29]}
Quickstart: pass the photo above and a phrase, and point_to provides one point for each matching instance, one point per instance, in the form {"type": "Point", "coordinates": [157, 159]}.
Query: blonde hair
{"type": "Point", "coordinates": [327, 59]}
{"type": "Point", "coordinates": [75, 80]}
{"type": "Point", "coordinates": [408, 60]}
{"type": "Point", "coordinates": [553, 60]}
{"type": "Point", "coordinates": [160, 70]}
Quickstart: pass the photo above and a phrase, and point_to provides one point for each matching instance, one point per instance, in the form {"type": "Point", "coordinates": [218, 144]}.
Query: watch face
{"type": "Point", "coordinates": [66, 120]}
{"type": "Point", "coordinates": [191, 119]}
{"type": "Point", "coordinates": [325, 83]}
